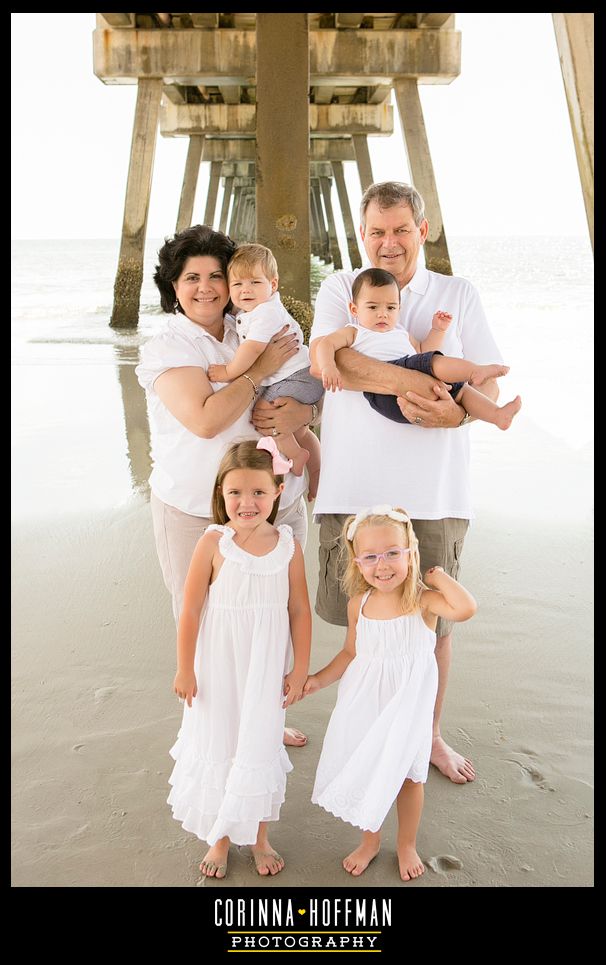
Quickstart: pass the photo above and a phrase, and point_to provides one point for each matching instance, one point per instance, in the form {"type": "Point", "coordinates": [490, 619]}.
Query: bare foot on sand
{"type": "Point", "coordinates": [267, 861]}
{"type": "Point", "coordinates": [483, 372]}
{"type": "Point", "coordinates": [451, 764]}
{"type": "Point", "coordinates": [504, 416]}
{"type": "Point", "coordinates": [214, 862]}
{"type": "Point", "coordinates": [410, 864]}
{"type": "Point", "coordinates": [358, 861]}
{"type": "Point", "coordinates": [294, 737]}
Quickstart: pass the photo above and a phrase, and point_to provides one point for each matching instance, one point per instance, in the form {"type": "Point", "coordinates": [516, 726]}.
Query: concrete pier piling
{"type": "Point", "coordinates": [127, 287]}
{"type": "Point", "coordinates": [575, 39]}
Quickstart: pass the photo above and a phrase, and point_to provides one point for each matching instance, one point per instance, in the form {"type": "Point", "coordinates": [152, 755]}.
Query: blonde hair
{"type": "Point", "coordinates": [242, 455]}
{"type": "Point", "coordinates": [247, 257]}
{"type": "Point", "coordinates": [354, 581]}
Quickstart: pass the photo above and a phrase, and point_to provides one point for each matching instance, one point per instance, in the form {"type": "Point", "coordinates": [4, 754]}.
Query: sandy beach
{"type": "Point", "coordinates": [93, 661]}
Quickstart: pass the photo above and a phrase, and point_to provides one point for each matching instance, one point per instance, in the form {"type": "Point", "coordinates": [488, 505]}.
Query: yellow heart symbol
{"type": "Point", "coordinates": [301, 911]}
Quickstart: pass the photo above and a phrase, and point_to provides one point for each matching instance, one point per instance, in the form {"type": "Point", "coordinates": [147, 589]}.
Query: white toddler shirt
{"type": "Point", "coordinates": [262, 323]}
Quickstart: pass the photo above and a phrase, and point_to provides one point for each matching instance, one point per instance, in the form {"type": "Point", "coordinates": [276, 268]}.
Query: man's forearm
{"type": "Point", "coordinates": [363, 374]}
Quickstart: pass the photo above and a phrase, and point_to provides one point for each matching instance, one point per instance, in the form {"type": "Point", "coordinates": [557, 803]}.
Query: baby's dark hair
{"type": "Point", "coordinates": [376, 278]}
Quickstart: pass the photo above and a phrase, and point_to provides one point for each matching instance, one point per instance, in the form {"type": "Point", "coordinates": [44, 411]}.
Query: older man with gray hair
{"type": "Point", "coordinates": [367, 458]}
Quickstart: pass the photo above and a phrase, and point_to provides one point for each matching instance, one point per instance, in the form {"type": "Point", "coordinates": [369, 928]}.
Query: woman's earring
{"type": "Point", "coordinates": [176, 306]}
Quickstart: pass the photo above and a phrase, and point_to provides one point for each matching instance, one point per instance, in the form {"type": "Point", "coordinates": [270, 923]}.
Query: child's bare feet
{"type": "Point", "coordinates": [450, 763]}
{"type": "Point", "coordinates": [294, 738]}
{"type": "Point", "coordinates": [410, 864]}
{"type": "Point", "coordinates": [214, 862]}
{"type": "Point", "coordinates": [358, 861]}
{"type": "Point", "coordinates": [504, 416]}
{"type": "Point", "coordinates": [483, 372]}
{"type": "Point", "coordinates": [267, 861]}
{"type": "Point", "coordinates": [299, 461]}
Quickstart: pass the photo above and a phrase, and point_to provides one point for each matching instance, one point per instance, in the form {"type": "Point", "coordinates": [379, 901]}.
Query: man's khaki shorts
{"type": "Point", "coordinates": [440, 544]}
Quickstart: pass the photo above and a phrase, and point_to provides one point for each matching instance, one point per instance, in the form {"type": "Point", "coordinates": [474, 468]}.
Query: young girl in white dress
{"type": "Point", "coordinates": [378, 742]}
{"type": "Point", "coordinates": [247, 581]}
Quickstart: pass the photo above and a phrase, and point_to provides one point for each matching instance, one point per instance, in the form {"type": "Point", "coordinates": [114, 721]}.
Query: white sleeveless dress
{"type": "Point", "coordinates": [231, 765]}
{"type": "Point", "coordinates": [380, 730]}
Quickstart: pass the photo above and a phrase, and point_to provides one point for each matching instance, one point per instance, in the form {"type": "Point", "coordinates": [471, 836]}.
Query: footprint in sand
{"type": "Point", "coordinates": [531, 775]}
{"type": "Point", "coordinates": [103, 693]}
{"type": "Point", "coordinates": [78, 747]}
{"type": "Point", "coordinates": [443, 863]}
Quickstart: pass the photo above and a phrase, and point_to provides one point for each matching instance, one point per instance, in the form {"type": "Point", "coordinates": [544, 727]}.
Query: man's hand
{"type": "Point", "coordinates": [441, 413]}
{"type": "Point", "coordinates": [283, 415]}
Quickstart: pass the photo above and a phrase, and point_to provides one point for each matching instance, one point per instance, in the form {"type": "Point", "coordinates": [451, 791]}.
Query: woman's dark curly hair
{"type": "Point", "coordinates": [194, 241]}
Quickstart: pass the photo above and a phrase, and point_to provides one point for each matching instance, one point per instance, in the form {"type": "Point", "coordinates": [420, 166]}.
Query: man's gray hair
{"type": "Point", "coordinates": [388, 194]}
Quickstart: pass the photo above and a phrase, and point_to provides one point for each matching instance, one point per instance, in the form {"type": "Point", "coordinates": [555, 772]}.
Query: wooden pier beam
{"type": "Point", "coordinates": [228, 182]}
{"type": "Point", "coordinates": [437, 257]}
{"type": "Point", "coordinates": [129, 277]}
{"type": "Point", "coordinates": [190, 182]}
{"type": "Point", "coordinates": [325, 184]}
{"type": "Point", "coordinates": [350, 231]}
{"type": "Point", "coordinates": [213, 190]}
{"type": "Point", "coordinates": [574, 36]}
{"type": "Point", "coordinates": [360, 143]}
{"type": "Point", "coordinates": [282, 162]}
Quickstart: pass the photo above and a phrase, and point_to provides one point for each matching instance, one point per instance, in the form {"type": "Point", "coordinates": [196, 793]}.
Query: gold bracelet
{"type": "Point", "coordinates": [255, 389]}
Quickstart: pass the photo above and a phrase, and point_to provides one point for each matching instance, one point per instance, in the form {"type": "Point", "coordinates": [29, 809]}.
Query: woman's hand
{"type": "Point", "coordinates": [185, 685]}
{"type": "Point", "coordinates": [440, 413]}
{"type": "Point", "coordinates": [283, 415]}
{"type": "Point", "coordinates": [279, 349]}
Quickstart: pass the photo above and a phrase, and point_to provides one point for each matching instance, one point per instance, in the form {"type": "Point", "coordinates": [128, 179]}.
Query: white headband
{"type": "Point", "coordinates": [383, 510]}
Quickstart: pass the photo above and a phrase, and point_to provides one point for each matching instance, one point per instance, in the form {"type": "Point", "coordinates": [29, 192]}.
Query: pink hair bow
{"type": "Point", "coordinates": [280, 465]}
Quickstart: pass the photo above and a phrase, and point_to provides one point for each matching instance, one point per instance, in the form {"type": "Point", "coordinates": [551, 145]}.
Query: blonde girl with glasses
{"type": "Point", "coordinates": [378, 742]}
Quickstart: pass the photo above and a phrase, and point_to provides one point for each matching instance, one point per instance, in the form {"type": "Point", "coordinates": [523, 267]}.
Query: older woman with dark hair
{"type": "Point", "coordinates": [192, 421]}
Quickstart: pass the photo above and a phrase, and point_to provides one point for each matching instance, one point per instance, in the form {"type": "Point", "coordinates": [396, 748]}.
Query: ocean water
{"type": "Point", "coordinates": [79, 422]}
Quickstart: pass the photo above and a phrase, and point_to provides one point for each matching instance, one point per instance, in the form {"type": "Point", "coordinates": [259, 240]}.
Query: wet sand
{"type": "Point", "coordinates": [94, 716]}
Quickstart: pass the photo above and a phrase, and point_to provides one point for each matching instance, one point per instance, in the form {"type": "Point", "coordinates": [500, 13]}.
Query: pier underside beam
{"type": "Point", "coordinates": [228, 57]}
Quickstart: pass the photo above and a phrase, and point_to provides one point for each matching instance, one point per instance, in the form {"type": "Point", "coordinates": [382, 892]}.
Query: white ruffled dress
{"type": "Point", "coordinates": [231, 765]}
{"type": "Point", "coordinates": [380, 730]}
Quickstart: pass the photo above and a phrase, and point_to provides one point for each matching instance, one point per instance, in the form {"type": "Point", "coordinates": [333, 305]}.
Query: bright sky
{"type": "Point", "coordinates": [499, 136]}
